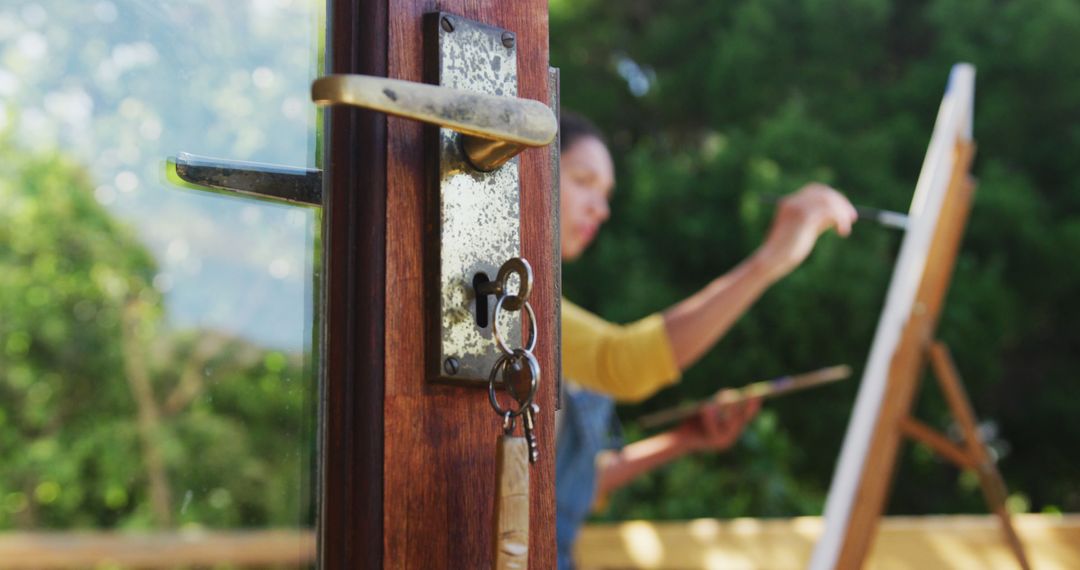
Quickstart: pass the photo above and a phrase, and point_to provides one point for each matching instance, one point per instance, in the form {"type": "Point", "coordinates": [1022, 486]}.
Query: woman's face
{"type": "Point", "coordinates": [586, 178]}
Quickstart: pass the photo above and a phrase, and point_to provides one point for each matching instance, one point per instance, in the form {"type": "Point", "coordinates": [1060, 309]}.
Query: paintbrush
{"type": "Point", "coordinates": [887, 218]}
{"type": "Point", "coordinates": [765, 389]}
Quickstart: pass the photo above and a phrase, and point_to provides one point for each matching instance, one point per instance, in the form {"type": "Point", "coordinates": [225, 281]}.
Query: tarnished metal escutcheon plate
{"type": "Point", "coordinates": [478, 225]}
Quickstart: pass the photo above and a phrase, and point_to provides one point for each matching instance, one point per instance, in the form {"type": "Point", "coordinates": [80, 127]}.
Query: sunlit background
{"type": "Point", "coordinates": [156, 360]}
{"type": "Point", "coordinates": [121, 86]}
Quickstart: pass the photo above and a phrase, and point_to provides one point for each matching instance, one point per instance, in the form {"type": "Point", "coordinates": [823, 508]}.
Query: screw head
{"type": "Point", "coordinates": [447, 24]}
{"type": "Point", "coordinates": [508, 39]}
{"type": "Point", "coordinates": [451, 366]}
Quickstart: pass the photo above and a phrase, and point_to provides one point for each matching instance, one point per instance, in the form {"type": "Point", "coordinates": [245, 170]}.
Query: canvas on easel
{"type": "Point", "coordinates": [902, 343]}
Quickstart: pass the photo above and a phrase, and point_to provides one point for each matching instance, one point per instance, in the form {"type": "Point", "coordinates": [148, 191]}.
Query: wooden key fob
{"type": "Point", "coordinates": [511, 540]}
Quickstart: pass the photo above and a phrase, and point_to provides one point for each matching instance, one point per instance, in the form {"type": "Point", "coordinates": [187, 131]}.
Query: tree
{"type": "Point", "coordinates": [109, 418]}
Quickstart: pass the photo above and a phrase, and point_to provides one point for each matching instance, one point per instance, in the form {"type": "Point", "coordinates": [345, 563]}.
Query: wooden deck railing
{"type": "Point", "coordinates": [242, 549]}
{"type": "Point", "coordinates": [903, 543]}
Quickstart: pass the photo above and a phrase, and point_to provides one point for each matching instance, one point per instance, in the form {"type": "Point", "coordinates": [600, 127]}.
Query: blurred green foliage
{"type": "Point", "coordinates": [709, 105]}
{"type": "Point", "coordinates": [109, 419]}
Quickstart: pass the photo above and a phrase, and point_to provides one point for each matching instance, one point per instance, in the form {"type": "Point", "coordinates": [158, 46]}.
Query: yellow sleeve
{"type": "Point", "coordinates": [628, 363]}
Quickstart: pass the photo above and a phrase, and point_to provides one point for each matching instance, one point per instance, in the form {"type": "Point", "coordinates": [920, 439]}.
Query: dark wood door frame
{"type": "Point", "coordinates": [354, 265]}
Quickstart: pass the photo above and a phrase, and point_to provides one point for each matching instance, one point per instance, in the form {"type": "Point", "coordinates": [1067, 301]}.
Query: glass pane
{"type": "Point", "coordinates": [157, 383]}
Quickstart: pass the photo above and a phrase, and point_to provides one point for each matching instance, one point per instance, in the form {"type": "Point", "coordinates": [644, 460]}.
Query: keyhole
{"type": "Point", "coordinates": [478, 282]}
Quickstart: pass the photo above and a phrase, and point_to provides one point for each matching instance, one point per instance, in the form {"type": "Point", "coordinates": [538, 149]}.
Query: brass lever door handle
{"type": "Point", "coordinates": [494, 128]}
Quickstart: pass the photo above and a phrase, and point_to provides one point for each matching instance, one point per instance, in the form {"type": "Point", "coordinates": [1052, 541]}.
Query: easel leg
{"type": "Point", "coordinates": [993, 486]}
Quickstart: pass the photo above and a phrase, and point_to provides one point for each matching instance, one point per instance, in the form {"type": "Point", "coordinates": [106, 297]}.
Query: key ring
{"type": "Point", "coordinates": [513, 299]}
{"type": "Point", "coordinates": [534, 382]}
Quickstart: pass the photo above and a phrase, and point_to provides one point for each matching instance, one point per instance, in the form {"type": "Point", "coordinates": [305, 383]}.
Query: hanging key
{"type": "Point", "coordinates": [530, 432]}
{"type": "Point", "coordinates": [522, 370]}
{"type": "Point", "coordinates": [520, 377]}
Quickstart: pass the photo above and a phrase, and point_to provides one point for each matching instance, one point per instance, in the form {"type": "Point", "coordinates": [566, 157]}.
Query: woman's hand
{"type": "Point", "coordinates": [716, 427]}
{"type": "Point", "coordinates": [800, 218]}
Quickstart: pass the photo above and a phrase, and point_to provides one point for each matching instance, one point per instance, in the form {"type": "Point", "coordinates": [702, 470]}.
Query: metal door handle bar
{"type": "Point", "coordinates": [494, 128]}
{"type": "Point", "coordinates": [276, 182]}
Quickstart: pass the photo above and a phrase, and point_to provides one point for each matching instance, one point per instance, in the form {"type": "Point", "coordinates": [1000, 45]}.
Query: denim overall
{"type": "Point", "coordinates": [589, 426]}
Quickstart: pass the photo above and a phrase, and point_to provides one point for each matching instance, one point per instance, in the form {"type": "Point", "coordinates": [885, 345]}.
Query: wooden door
{"type": "Point", "coordinates": [409, 465]}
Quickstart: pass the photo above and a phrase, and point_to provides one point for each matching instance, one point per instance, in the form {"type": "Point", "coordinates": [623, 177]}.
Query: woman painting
{"type": "Point", "coordinates": [604, 362]}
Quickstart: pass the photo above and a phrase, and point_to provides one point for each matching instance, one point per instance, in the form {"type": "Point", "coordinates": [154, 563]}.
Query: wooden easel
{"type": "Point", "coordinates": [972, 454]}
{"type": "Point", "coordinates": [915, 346]}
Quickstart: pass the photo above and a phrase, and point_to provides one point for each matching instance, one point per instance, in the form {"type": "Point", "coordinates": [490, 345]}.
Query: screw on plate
{"type": "Point", "coordinates": [508, 39]}
{"type": "Point", "coordinates": [447, 24]}
{"type": "Point", "coordinates": [451, 366]}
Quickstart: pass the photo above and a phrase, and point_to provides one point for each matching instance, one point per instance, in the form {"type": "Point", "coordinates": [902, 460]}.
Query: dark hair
{"type": "Point", "coordinates": [574, 127]}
